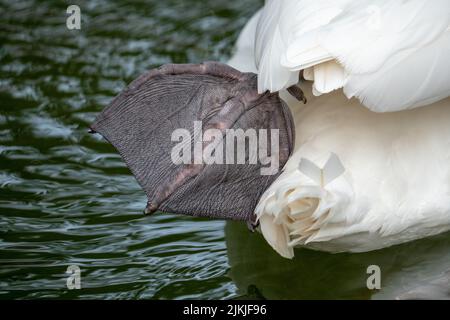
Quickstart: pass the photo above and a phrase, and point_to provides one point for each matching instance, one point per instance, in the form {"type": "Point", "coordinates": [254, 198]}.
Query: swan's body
{"type": "Point", "coordinates": [396, 184]}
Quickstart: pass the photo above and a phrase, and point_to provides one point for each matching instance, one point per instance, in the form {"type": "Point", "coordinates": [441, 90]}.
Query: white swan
{"type": "Point", "coordinates": [390, 55]}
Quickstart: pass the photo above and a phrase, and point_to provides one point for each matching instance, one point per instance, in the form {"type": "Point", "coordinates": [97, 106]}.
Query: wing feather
{"type": "Point", "coordinates": [390, 54]}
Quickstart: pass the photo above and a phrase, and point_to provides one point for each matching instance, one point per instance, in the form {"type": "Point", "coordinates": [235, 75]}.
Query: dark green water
{"type": "Point", "coordinates": [67, 198]}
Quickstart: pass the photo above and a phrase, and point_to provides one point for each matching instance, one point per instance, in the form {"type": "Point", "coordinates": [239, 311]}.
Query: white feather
{"type": "Point", "coordinates": [396, 183]}
{"type": "Point", "coordinates": [390, 54]}
{"type": "Point", "coordinates": [243, 58]}
{"type": "Point", "coordinates": [270, 45]}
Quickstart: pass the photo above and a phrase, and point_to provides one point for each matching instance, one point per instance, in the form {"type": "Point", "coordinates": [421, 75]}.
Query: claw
{"type": "Point", "coordinates": [252, 224]}
{"type": "Point", "coordinates": [150, 209]}
{"type": "Point", "coordinates": [297, 93]}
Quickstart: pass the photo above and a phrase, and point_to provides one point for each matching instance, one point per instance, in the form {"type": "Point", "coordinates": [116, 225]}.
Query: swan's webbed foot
{"type": "Point", "coordinates": [148, 119]}
{"type": "Point", "coordinates": [436, 289]}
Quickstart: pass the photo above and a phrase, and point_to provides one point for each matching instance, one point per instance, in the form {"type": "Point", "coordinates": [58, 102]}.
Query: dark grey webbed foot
{"type": "Point", "coordinates": [141, 121]}
{"type": "Point", "coordinates": [435, 289]}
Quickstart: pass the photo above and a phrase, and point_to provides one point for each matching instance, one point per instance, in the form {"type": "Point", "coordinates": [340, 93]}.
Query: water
{"type": "Point", "coordinates": [67, 198]}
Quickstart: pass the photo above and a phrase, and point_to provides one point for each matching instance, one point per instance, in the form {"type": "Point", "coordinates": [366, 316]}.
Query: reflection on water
{"type": "Point", "coordinates": [67, 198]}
{"type": "Point", "coordinates": [259, 272]}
